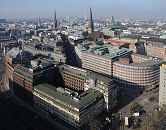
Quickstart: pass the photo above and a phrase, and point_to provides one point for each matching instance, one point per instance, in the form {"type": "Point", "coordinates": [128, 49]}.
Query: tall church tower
{"type": "Point", "coordinates": [55, 22]}
{"type": "Point", "coordinates": [90, 24]}
{"type": "Point", "coordinates": [112, 21]}
{"type": "Point", "coordinates": [39, 22]}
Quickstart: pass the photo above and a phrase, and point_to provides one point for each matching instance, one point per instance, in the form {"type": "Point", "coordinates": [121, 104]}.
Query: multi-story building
{"type": "Point", "coordinates": [106, 86]}
{"type": "Point", "coordinates": [100, 58]}
{"type": "Point", "coordinates": [24, 79]}
{"type": "Point", "coordinates": [12, 58]}
{"type": "Point", "coordinates": [139, 58]}
{"type": "Point", "coordinates": [22, 73]}
{"type": "Point", "coordinates": [76, 100]}
{"type": "Point", "coordinates": [125, 67]}
{"type": "Point", "coordinates": [76, 109]}
{"type": "Point", "coordinates": [82, 79]}
{"type": "Point", "coordinates": [156, 49]}
{"type": "Point", "coordinates": [73, 77]}
{"type": "Point", "coordinates": [138, 48]}
{"type": "Point", "coordinates": [162, 87]}
{"type": "Point", "coordinates": [143, 72]}
{"type": "Point", "coordinates": [79, 49]}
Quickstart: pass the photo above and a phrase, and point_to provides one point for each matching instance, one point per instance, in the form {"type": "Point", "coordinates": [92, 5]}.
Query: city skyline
{"type": "Point", "coordinates": [149, 9]}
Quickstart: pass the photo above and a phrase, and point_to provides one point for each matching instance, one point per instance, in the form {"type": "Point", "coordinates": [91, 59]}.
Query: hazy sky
{"type": "Point", "coordinates": [151, 9]}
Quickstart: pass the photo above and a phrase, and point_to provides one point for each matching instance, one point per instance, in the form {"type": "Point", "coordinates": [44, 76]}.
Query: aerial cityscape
{"type": "Point", "coordinates": [82, 65]}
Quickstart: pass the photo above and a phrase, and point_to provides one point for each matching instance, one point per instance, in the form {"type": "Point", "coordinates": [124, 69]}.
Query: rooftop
{"type": "Point", "coordinates": [29, 72]}
{"type": "Point", "coordinates": [101, 50]}
{"type": "Point", "coordinates": [73, 70]}
{"type": "Point", "coordinates": [15, 52]}
{"type": "Point", "coordinates": [119, 42]}
{"type": "Point", "coordinates": [50, 90]}
{"type": "Point", "coordinates": [152, 39]}
{"type": "Point", "coordinates": [147, 63]}
{"type": "Point", "coordinates": [95, 76]}
{"type": "Point", "coordinates": [156, 44]}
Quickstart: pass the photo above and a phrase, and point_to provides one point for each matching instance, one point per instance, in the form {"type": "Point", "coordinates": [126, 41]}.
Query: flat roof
{"type": "Point", "coordinates": [28, 72]}
{"type": "Point", "coordinates": [116, 53]}
{"type": "Point", "coordinates": [142, 56]}
{"type": "Point", "coordinates": [95, 76]}
{"type": "Point", "coordinates": [156, 44]}
{"type": "Point", "coordinates": [72, 70]}
{"type": "Point", "coordinates": [147, 63]}
{"type": "Point", "coordinates": [91, 95]}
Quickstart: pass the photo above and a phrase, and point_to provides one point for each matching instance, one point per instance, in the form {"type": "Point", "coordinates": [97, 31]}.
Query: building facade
{"type": "Point", "coordinates": [77, 109]}
{"type": "Point", "coordinates": [162, 87]}
{"type": "Point", "coordinates": [73, 94]}
{"type": "Point", "coordinates": [101, 58]}
{"type": "Point", "coordinates": [156, 49]}
{"type": "Point", "coordinates": [106, 86]}
{"type": "Point", "coordinates": [73, 77]}
{"type": "Point", "coordinates": [142, 73]}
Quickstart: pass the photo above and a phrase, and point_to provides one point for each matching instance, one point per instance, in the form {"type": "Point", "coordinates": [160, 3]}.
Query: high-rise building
{"type": "Point", "coordinates": [90, 24]}
{"type": "Point", "coordinates": [162, 87]}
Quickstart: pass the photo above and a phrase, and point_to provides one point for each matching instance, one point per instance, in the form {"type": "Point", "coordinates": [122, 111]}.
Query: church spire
{"type": "Point", "coordinates": [91, 17]}
{"type": "Point", "coordinates": [39, 22]}
{"type": "Point", "coordinates": [55, 21]}
{"type": "Point", "coordinates": [90, 25]}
